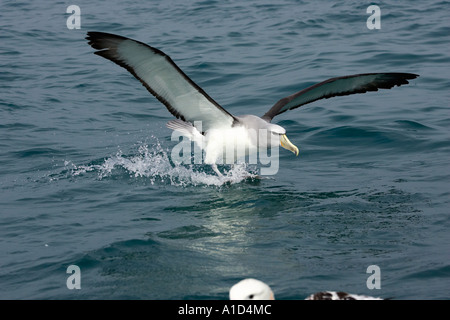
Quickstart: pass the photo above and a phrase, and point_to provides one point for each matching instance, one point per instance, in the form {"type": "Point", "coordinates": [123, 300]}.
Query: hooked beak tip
{"type": "Point", "coordinates": [285, 143]}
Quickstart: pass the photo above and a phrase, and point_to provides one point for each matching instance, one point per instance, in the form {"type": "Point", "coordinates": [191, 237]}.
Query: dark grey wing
{"type": "Point", "coordinates": [340, 86]}
{"type": "Point", "coordinates": [163, 78]}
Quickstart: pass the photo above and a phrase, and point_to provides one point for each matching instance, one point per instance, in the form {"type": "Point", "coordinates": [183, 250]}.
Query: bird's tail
{"type": "Point", "coordinates": [186, 129]}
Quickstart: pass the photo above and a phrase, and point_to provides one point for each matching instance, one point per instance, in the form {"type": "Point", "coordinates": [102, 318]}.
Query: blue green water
{"type": "Point", "coordinates": [86, 177]}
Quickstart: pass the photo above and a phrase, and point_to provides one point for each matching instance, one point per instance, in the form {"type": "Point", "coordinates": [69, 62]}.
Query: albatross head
{"type": "Point", "coordinates": [284, 141]}
{"type": "Point", "coordinates": [251, 289]}
{"type": "Point", "coordinates": [275, 132]}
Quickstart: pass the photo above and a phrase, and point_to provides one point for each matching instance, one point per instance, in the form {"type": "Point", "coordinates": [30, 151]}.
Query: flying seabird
{"type": "Point", "coordinates": [253, 289]}
{"type": "Point", "coordinates": [203, 120]}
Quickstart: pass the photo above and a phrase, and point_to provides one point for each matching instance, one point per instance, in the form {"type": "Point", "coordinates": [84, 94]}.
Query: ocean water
{"type": "Point", "coordinates": [86, 176]}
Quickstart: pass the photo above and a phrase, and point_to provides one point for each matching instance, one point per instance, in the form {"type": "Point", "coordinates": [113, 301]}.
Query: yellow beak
{"type": "Point", "coordinates": [285, 143]}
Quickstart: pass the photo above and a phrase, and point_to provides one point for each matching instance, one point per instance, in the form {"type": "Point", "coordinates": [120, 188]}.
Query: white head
{"type": "Point", "coordinates": [251, 289]}
{"type": "Point", "coordinates": [275, 132]}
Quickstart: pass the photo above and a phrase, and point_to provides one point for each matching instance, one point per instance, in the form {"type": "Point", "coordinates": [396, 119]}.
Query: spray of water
{"type": "Point", "coordinates": [153, 164]}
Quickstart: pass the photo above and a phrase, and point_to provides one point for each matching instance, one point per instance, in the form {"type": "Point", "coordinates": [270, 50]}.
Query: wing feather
{"type": "Point", "coordinates": [163, 79]}
{"type": "Point", "coordinates": [339, 86]}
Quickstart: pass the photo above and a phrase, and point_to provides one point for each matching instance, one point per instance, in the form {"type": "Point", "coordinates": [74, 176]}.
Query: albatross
{"type": "Point", "coordinates": [253, 289]}
{"type": "Point", "coordinates": [201, 119]}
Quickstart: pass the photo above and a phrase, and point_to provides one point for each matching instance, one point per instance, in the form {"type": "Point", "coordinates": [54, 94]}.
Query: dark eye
{"type": "Point", "coordinates": [251, 296]}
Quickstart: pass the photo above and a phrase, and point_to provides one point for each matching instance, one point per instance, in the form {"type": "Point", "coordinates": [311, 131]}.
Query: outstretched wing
{"type": "Point", "coordinates": [163, 78]}
{"type": "Point", "coordinates": [340, 86]}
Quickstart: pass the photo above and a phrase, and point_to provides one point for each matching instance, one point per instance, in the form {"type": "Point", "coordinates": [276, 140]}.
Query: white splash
{"type": "Point", "coordinates": [154, 164]}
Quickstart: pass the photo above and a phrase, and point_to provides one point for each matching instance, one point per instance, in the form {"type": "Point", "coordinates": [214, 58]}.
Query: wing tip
{"type": "Point", "coordinates": [94, 35]}
{"type": "Point", "coordinates": [102, 40]}
{"type": "Point", "coordinates": [408, 76]}
{"type": "Point", "coordinates": [411, 76]}
{"type": "Point", "coordinates": [401, 79]}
